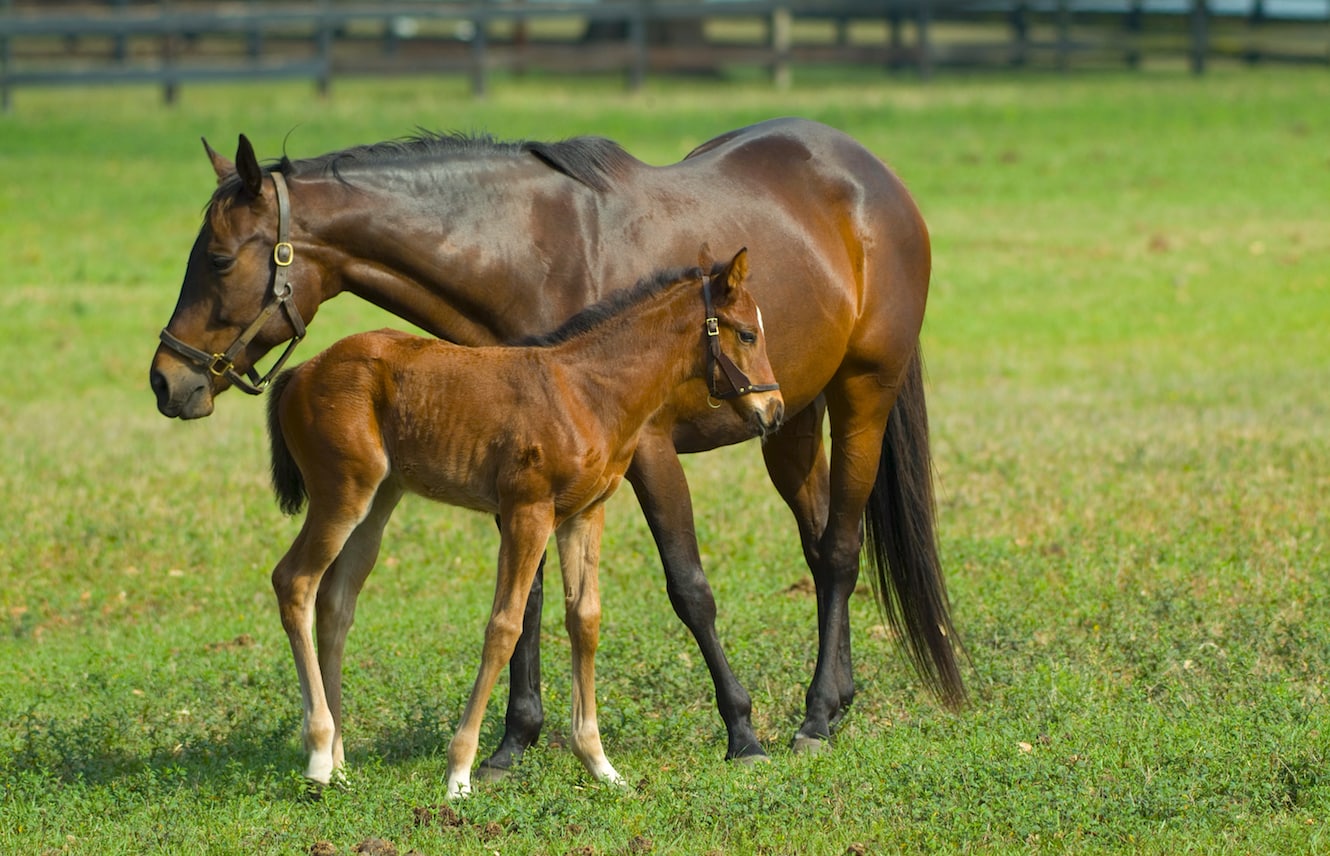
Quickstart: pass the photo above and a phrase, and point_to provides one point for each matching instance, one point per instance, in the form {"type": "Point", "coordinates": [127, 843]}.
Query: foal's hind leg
{"type": "Point", "coordinates": [797, 464]}
{"type": "Point", "coordinates": [579, 558]}
{"type": "Point", "coordinates": [335, 607]}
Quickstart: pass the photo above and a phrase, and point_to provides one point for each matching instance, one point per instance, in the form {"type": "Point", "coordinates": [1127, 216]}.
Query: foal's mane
{"type": "Point", "coordinates": [616, 303]}
{"type": "Point", "coordinates": [593, 161]}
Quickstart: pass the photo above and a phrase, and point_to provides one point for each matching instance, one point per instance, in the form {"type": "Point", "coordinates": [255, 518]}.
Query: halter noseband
{"type": "Point", "coordinates": [736, 383]}
{"type": "Point", "coordinates": [223, 364]}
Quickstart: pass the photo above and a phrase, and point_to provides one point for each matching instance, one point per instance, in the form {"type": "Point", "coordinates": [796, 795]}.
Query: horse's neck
{"type": "Point", "coordinates": [627, 366]}
{"type": "Point", "coordinates": [420, 249]}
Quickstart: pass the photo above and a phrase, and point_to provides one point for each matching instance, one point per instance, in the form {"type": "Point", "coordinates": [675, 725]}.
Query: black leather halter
{"type": "Point", "coordinates": [223, 364]}
{"type": "Point", "coordinates": [732, 382]}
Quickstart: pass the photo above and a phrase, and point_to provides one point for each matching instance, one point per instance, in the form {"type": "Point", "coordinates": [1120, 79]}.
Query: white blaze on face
{"type": "Point", "coordinates": [760, 328]}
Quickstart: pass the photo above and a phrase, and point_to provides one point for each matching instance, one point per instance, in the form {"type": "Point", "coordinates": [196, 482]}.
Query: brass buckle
{"type": "Point", "coordinates": [713, 327]}
{"type": "Point", "coordinates": [220, 365]}
{"type": "Point", "coordinates": [283, 253]}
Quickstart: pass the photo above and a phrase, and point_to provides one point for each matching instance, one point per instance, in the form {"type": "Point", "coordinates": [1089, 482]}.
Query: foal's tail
{"type": "Point", "coordinates": [287, 481]}
{"type": "Point", "coordinates": [902, 541]}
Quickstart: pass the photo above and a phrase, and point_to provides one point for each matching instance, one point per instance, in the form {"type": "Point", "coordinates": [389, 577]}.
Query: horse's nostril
{"type": "Point", "coordinates": [157, 381]}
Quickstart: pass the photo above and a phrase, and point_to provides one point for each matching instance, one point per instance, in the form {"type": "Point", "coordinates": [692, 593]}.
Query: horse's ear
{"type": "Point", "coordinates": [704, 259]}
{"type": "Point", "coordinates": [251, 174]}
{"type": "Point", "coordinates": [220, 165]}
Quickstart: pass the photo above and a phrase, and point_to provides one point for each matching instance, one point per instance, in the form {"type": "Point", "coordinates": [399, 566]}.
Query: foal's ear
{"type": "Point", "coordinates": [731, 278]}
{"type": "Point", "coordinates": [220, 165]}
{"type": "Point", "coordinates": [251, 174]}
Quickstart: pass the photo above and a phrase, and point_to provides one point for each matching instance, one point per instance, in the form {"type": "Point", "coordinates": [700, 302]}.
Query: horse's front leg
{"type": "Point", "coordinates": [579, 560]}
{"type": "Point", "coordinates": [797, 464]}
{"type": "Point", "coordinates": [524, 532]}
{"type": "Point", "coordinates": [658, 479]}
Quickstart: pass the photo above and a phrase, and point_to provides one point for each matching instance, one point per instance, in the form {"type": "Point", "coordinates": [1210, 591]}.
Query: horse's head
{"type": "Point", "coordinates": [246, 290]}
{"type": "Point", "coordinates": [737, 365]}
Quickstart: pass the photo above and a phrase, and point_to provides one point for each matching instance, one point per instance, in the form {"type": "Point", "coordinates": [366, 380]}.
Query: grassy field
{"type": "Point", "coordinates": [1128, 368]}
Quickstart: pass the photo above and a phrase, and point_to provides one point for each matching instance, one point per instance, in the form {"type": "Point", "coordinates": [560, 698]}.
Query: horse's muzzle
{"type": "Point", "coordinates": [182, 393]}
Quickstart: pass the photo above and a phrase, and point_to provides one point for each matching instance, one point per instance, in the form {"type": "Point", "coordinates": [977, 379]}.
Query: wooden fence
{"type": "Point", "coordinates": [173, 42]}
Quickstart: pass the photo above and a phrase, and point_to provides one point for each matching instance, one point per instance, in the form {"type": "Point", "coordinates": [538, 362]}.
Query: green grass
{"type": "Point", "coordinates": [1128, 368]}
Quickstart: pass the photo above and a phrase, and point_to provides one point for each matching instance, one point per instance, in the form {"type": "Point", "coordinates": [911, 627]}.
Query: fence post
{"type": "Point", "coordinates": [1134, 23]}
{"type": "Point", "coordinates": [781, 28]}
{"type": "Point", "coordinates": [170, 82]}
{"type": "Point", "coordinates": [324, 39]}
{"type": "Point", "coordinates": [1064, 35]}
{"type": "Point", "coordinates": [1020, 33]}
{"type": "Point", "coordinates": [6, 102]}
{"type": "Point", "coordinates": [479, 51]}
{"type": "Point", "coordinates": [1200, 35]}
{"type": "Point", "coordinates": [925, 47]}
{"type": "Point", "coordinates": [637, 45]}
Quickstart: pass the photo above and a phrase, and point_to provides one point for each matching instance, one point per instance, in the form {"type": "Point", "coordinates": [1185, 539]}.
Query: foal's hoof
{"type": "Point", "coordinates": [809, 745]}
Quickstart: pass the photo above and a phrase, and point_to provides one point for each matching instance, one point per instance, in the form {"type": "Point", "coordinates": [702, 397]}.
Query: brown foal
{"type": "Point", "coordinates": [539, 434]}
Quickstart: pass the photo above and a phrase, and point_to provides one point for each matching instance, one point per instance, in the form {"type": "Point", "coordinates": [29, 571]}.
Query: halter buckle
{"type": "Point", "coordinates": [220, 364]}
{"type": "Point", "coordinates": [283, 254]}
{"type": "Point", "coordinates": [713, 326]}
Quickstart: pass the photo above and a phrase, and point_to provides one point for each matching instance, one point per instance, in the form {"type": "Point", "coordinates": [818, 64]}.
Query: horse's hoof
{"type": "Point", "coordinates": [809, 745]}
{"type": "Point", "coordinates": [312, 791]}
{"type": "Point", "coordinates": [490, 774]}
{"type": "Point", "coordinates": [751, 760]}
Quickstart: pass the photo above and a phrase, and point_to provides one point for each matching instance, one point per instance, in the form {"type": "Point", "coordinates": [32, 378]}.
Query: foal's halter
{"type": "Point", "coordinates": [736, 383]}
{"type": "Point", "coordinates": [223, 364]}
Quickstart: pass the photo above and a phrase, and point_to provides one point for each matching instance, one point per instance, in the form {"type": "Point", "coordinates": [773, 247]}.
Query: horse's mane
{"type": "Point", "coordinates": [616, 303]}
{"type": "Point", "coordinates": [593, 161]}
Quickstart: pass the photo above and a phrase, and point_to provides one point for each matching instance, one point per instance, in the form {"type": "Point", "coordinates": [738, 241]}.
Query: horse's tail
{"type": "Point", "coordinates": [902, 541]}
{"type": "Point", "coordinates": [287, 481]}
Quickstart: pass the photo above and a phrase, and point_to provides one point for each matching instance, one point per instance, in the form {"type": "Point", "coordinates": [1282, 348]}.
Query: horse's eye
{"type": "Point", "coordinates": [221, 263]}
{"type": "Point", "coordinates": [748, 337]}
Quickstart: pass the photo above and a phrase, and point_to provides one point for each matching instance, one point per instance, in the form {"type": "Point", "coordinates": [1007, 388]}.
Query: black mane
{"type": "Point", "coordinates": [593, 161]}
{"type": "Point", "coordinates": [616, 303]}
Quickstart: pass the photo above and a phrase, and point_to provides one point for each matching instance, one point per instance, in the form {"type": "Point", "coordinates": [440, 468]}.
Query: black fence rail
{"type": "Point", "coordinates": [173, 42]}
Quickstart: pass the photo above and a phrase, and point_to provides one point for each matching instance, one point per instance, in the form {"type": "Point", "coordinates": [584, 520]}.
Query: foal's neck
{"type": "Point", "coordinates": [628, 365]}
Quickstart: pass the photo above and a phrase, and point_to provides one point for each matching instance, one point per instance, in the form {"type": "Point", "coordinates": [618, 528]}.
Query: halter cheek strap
{"type": "Point", "coordinates": [732, 383]}
{"type": "Point", "coordinates": [223, 364]}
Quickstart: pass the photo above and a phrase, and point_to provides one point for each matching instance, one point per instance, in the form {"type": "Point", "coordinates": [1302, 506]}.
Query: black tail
{"type": "Point", "coordinates": [902, 541]}
{"type": "Point", "coordinates": [287, 481]}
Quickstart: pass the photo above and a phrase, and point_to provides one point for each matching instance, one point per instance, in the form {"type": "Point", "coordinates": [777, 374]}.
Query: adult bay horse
{"type": "Point", "coordinates": [480, 242]}
{"type": "Point", "coordinates": [539, 435]}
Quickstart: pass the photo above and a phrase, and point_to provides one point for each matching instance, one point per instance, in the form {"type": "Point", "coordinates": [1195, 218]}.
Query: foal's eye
{"type": "Point", "coordinates": [221, 263]}
{"type": "Point", "coordinates": [748, 337]}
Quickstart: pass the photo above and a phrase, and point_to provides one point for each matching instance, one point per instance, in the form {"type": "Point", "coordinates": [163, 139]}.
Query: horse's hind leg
{"type": "Point", "coordinates": [335, 607]}
{"type": "Point", "coordinates": [524, 533]}
{"type": "Point", "coordinates": [658, 479]}
{"type": "Point", "coordinates": [579, 558]}
{"type": "Point", "coordinates": [797, 464]}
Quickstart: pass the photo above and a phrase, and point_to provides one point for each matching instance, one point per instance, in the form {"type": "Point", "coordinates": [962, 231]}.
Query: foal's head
{"type": "Point", "coordinates": [241, 262]}
{"type": "Point", "coordinates": [737, 368]}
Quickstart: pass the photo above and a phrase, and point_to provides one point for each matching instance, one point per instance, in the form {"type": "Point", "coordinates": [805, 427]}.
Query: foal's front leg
{"type": "Point", "coordinates": [296, 581]}
{"type": "Point", "coordinates": [579, 557]}
{"type": "Point", "coordinates": [524, 532]}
